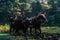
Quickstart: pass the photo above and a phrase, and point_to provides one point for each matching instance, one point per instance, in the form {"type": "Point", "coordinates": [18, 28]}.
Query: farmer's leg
{"type": "Point", "coordinates": [11, 25]}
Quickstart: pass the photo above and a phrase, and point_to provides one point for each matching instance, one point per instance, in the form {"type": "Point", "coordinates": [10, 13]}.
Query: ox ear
{"type": "Point", "coordinates": [40, 13]}
{"type": "Point", "coordinates": [44, 13]}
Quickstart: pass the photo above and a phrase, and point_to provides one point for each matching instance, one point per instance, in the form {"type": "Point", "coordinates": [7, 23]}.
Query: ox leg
{"type": "Point", "coordinates": [39, 30]}
{"type": "Point", "coordinates": [25, 35]}
{"type": "Point", "coordinates": [35, 34]}
{"type": "Point", "coordinates": [31, 30]}
{"type": "Point", "coordinates": [40, 34]}
{"type": "Point", "coordinates": [24, 31]}
{"type": "Point", "coordinates": [35, 31]}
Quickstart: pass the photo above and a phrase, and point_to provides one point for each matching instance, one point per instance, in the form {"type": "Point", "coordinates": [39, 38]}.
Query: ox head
{"type": "Point", "coordinates": [42, 17]}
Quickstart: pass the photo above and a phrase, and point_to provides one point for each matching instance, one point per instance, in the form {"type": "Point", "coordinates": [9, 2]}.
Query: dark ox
{"type": "Point", "coordinates": [36, 22]}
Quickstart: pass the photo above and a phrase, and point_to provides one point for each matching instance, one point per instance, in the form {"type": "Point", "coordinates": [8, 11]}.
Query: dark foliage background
{"type": "Point", "coordinates": [30, 8]}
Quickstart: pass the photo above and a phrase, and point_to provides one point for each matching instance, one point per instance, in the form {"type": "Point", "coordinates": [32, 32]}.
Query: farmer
{"type": "Point", "coordinates": [12, 21]}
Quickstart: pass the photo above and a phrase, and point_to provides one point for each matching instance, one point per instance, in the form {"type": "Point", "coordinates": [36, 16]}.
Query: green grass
{"type": "Point", "coordinates": [6, 36]}
{"type": "Point", "coordinates": [51, 30]}
{"type": "Point", "coordinates": [48, 29]}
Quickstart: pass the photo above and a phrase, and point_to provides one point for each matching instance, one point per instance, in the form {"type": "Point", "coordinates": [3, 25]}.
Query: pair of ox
{"type": "Point", "coordinates": [25, 24]}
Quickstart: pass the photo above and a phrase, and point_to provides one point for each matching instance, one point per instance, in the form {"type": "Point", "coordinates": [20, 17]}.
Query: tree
{"type": "Point", "coordinates": [36, 7]}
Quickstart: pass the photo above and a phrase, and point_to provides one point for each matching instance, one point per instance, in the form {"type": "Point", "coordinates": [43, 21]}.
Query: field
{"type": "Point", "coordinates": [51, 33]}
